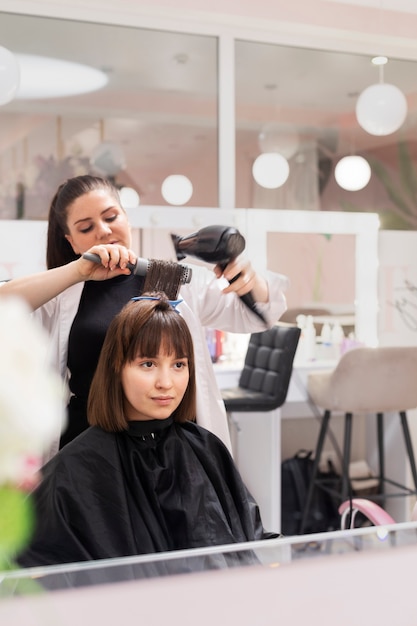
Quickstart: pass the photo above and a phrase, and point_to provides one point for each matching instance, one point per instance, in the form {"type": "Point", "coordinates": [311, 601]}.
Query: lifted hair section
{"type": "Point", "coordinates": [164, 276]}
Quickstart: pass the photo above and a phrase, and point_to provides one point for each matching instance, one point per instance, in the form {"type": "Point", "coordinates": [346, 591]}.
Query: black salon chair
{"type": "Point", "coordinates": [265, 377]}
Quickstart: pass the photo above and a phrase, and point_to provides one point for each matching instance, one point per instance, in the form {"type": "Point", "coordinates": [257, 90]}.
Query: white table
{"type": "Point", "coordinates": [256, 437]}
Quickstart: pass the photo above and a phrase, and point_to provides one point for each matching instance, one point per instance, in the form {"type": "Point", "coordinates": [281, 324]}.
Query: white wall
{"type": "Point", "coordinates": [22, 248]}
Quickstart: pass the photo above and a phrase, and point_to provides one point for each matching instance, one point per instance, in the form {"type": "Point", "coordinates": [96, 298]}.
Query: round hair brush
{"type": "Point", "coordinates": [142, 266]}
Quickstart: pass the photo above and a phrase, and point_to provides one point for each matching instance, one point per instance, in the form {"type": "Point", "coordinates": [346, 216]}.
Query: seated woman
{"type": "Point", "coordinates": [144, 477]}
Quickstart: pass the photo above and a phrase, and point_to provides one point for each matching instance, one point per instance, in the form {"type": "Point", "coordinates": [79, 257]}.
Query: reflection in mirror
{"type": "Point", "coordinates": [156, 116]}
{"type": "Point", "coordinates": [301, 102]}
{"type": "Point", "coordinates": [322, 267]}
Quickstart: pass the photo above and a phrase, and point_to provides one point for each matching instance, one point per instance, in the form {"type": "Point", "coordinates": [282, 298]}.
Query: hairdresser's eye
{"type": "Point", "coordinates": [87, 229]}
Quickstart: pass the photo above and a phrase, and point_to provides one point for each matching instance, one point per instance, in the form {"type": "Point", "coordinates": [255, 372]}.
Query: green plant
{"type": "Point", "coordinates": [401, 189]}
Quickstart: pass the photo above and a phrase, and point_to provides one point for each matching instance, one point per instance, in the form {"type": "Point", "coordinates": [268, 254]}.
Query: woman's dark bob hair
{"type": "Point", "coordinates": [141, 328]}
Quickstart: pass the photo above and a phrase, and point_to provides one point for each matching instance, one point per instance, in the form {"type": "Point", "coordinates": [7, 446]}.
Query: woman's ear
{"type": "Point", "coordinates": [71, 242]}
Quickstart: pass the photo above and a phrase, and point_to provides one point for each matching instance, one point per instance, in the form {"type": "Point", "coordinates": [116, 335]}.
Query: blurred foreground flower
{"type": "Point", "coordinates": [31, 415]}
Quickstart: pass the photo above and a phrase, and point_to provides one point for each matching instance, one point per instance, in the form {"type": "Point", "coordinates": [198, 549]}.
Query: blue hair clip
{"type": "Point", "coordinates": [173, 303]}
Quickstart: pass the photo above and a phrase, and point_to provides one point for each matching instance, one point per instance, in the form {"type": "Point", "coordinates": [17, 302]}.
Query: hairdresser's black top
{"type": "Point", "coordinates": [100, 302]}
{"type": "Point", "coordinates": [160, 486]}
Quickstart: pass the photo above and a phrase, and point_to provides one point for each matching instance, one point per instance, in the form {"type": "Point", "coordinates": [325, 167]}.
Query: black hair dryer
{"type": "Point", "coordinates": [215, 244]}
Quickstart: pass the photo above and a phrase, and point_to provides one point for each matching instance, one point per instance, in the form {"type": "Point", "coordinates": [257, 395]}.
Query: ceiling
{"type": "Point", "coordinates": [405, 6]}
{"type": "Point", "coordinates": [160, 103]}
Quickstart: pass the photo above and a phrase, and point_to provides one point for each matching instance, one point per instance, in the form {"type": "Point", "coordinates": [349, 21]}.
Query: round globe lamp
{"type": "Point", "coordinates": [177, 189]}
{"type": "Point", "coordinates": [381, 109]}
{"type": "Point", "coordinates": [352, 173]}
{"type": "Point", "coordinates": [270, 170]}
{"type": "Point", "coordinates": [129, 198]}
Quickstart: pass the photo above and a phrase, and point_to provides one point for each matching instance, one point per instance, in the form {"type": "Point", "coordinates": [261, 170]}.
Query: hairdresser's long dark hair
{"type": "Point", "coordinates": [139, 329]}
{"type": "Point", "coordinates": [59, 250]}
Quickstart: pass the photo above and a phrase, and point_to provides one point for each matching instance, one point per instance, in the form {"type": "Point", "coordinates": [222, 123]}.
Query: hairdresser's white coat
{"type": "Point", "coordinates": [204, 306]}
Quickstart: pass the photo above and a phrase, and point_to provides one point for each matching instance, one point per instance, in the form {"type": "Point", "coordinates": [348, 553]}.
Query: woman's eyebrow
{"type": "Point", "coordinates": [86, 219]}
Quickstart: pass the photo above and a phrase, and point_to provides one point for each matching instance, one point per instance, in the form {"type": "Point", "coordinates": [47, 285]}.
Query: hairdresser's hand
{"type": "Point", "coordinates": [37, 289]}
{"type": "Point", "coordinates": [114, 260]}
{"type": "Point", "coordinates": [243, 279]}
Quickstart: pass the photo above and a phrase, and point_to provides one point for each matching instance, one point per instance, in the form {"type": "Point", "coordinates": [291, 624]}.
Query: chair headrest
{"type": "Point", "coordinates": [265, 378]}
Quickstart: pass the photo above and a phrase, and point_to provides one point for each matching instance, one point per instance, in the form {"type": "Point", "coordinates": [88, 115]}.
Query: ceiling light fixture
{"type": "Point", "coordinates": [44, 77]}
{"type": "Point", "coordinates": [129, 198]}
{"type": "Point", "coordinates": [177, 189]}
{"type": "Point", "coordinates": [270, 170]}
{"type": "Point", "coordinates": [381, 109]}
{"type": "Point", "coordinates": [9, 75]}
{"type": "Point", "coordinates": [352, 173]}
{"type": "Point", "coordinates": [380, 60]}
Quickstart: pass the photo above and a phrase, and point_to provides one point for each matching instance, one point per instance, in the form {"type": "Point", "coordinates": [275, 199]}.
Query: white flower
{"type": "Point", "coordinates": [31, 398]}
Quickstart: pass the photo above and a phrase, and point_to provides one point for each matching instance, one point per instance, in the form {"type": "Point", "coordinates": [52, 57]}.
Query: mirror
{"type": "Point", "coordinates": [301, 101]}
{"type": "Point", "coordinates": [156, 116]}
{"type": "Point", "coordinates": [324, 265]}
{"type": "Point", "coordinates": [160, 110]}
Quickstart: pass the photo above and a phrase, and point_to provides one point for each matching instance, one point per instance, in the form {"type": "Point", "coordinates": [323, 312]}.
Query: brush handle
{"type": "Point", "coordinates": [139, 268]}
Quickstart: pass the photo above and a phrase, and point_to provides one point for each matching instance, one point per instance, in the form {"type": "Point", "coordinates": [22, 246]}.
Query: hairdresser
{"type": "Point", "coordinates": [76, 299]}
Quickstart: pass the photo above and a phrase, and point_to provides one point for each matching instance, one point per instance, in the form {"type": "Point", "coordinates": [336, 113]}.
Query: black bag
{"type": "Point", "coordinates": [295, 480]}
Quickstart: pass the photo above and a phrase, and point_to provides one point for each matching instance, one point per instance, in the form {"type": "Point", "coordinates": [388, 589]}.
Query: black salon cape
{"type": "Point", "coordinates": [159, 486]}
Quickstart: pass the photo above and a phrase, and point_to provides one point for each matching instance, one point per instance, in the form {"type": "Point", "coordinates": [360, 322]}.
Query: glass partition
{"type": "Point", "coordinates": [324, 264]}
{"type": "Point", "coordinates": [156, 116]}
{"type": "Point", "coordinates": [272, 553]}
{"type": "Point", "coordinates": [301, 102]}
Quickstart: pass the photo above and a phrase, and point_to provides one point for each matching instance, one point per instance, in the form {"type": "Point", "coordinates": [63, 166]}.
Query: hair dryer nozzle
{"type": "Point", "coordinates": [213, 244]}
{"type": "Point", "coordinates": [176, 239]}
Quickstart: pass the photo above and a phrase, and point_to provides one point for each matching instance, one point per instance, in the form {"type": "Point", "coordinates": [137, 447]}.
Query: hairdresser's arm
{"type": "Point", "coordinates": [42, 287]}
{"type": "Point", "coordinates": [38, 289]}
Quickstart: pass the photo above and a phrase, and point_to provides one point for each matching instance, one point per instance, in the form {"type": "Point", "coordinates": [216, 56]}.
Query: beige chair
{"type": "Point", "coordinates": [365, 381]}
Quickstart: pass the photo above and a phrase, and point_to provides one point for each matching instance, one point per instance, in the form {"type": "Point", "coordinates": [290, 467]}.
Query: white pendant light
{"type": "Point", "coordinates": [177, 189]}
{"type": "Point", "coordinates": [381, 109]}
{"type": "Point", "coordinates": [9, 75]}
{"type": "Point", "coordinates": [352, 173]}
{"type": "Point", "coordinates": [129, 198]}
{"type": "Point", "coordinates": [270, 170]}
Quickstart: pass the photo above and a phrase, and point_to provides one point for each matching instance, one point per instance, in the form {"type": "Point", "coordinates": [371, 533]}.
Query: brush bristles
{"type": "Point", "coordinates": [166, 276]}
{"type": "Point", "coordinates": [144, 265]}
{"type": "Point", "coordinates": [187, 273]}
